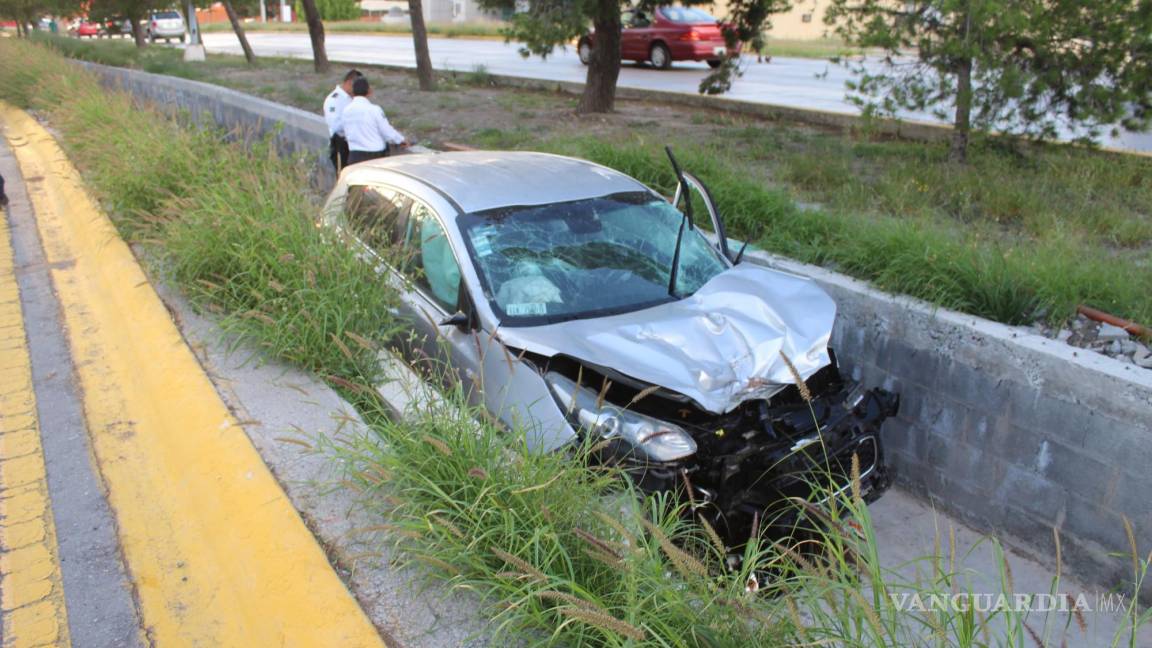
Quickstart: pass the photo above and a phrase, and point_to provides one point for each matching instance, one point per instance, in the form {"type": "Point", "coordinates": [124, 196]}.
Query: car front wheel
{"type": "Point", "coordinates": [660, 57]}
{"type": "Point", "coordinates": [714, 63]}
{"type": "Point", "coordinates": [584, 51]}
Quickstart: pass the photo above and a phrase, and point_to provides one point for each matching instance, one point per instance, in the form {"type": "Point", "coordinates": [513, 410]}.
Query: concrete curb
{"type": "Point", "coordinates": [1012, 432]}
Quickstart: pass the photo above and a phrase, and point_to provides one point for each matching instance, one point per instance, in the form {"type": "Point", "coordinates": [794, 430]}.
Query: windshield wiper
{"type": "Point", "coordinates": [687, 219]}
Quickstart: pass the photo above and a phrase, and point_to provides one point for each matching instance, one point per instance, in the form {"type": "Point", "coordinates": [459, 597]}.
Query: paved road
{"type": "Point", "coordinates": [799, 83]}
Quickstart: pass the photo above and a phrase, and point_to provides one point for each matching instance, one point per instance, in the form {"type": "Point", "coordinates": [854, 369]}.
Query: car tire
{"type": "Point", "coordinates": [584, 51]}
{"type": "Point", "coordinates": [660, 57]}
{"type": "Point", "coordinates": [181, 39]}
{"type": "Point", "coordinates": [714, 63]}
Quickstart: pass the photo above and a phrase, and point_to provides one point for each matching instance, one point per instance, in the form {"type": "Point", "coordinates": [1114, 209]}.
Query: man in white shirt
{"type": "Point", "coordinates": [369, 134]}
{"type": "Point", "coordinates": [334, 105]}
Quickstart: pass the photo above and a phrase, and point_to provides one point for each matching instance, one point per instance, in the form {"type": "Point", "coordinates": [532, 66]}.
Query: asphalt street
{"type": "Point", "coordinates": [799, 83]}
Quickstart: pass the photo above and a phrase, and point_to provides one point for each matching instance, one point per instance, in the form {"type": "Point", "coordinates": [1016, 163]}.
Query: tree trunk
{"type": "Point", "coordinates": [137, 31]}
{"type": "Point", "coordinates": [316, 33]}
{"type": "Point", "coordinates": [604, 68]}
{"type": "Point", "coordinates": [962, 126]}
{"type": "Point", "coordinates": [239, 29]}
{"type": "Point", "coordinates": [420, 40]}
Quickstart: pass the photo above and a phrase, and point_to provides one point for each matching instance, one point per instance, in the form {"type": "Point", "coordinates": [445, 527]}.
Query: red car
{"type": "Point", "coordinates": [667, 34]}
{"type": "Point", "coordinates": [91, 30]}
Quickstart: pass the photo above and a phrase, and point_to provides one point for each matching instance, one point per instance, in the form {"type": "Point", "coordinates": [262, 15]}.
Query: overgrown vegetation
{"type": "Point", "coordinates": [564, 551]}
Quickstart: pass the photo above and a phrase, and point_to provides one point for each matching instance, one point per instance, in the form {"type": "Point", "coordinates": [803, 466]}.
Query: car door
{"type": "Point", "coordinates": [631, 38]}
{"type": "Point", "coordinates": [640, 34]}
{"type": "Point", "coordinates": [437, 293]}
{"type": "Point", "coordinates": [402, 237]}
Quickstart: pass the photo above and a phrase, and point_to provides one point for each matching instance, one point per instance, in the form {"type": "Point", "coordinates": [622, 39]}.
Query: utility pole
{"type": "Point", "coordinates": [263, 11]}
{"type": "Point", "coordinates": [195, 49]}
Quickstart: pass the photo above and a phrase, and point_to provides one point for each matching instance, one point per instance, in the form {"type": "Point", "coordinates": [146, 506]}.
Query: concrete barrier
{"type": "Point", "coordinates": [1012, 432]}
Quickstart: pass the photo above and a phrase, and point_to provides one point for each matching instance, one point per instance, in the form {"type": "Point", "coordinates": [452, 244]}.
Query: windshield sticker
{"type": "Point", "coordinates": [527, 309]}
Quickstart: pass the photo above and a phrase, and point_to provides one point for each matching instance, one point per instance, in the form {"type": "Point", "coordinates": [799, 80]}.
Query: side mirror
{"type": "Point", "coordinates": [458, 319]}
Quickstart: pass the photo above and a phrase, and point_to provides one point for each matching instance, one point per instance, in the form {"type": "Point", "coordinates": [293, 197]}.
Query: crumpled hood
{"type": "Point", "coordinates": [719, 347]}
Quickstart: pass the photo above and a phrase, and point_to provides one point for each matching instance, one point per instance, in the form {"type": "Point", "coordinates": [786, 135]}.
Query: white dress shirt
{"type": "Point", "coordinates": [366, 127]}
{"type": "Point", "coordinates": [334, 105]}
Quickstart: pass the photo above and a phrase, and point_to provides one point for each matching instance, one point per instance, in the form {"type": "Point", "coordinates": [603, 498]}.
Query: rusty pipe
{"type": "Point", "coordinates": [1138, 330]}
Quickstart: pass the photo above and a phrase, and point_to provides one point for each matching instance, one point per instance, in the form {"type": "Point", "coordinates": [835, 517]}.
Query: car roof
{"type": "Point", "coordinates": [480, 180]}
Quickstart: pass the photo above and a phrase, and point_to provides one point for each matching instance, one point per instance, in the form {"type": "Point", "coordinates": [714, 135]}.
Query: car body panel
{"type": "Point", "coordinates": [720, 347]}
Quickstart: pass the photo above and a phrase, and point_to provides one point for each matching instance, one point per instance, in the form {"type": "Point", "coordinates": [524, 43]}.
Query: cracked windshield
{"type": "Point", "coordinates": [575, 259]}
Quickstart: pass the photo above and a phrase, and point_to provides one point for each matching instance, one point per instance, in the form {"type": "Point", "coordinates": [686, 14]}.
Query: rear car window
{"type": "Point", "coordinates": [166, 15]}
{"type": "Point", "coordinates": [687, 15]}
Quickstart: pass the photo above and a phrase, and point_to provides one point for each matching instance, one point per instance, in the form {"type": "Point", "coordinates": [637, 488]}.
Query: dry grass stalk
{"type": "Point", "coordinates": [856, 497]}
{"type": "Point", "coordinates": [713, 537]}
{"type": "Point", "coordinates": [1132, 544]}
{"type": "Point", "coordinates": [604, 387]}
{"type": "Point", "coordinates": [605, 622]}
{"type": "Point", "coordinates": [629, 539]}
{"type": "Point", "coordinates": [644, 393]}
{"type": "Point", "coordinates": [681, 560]}
{"type": "Point", "coordinates": [440, 446]}
{"type": "Point", "coordinates": [574, 601]}
{"type": "Point", "coordinates": [797, 621]}
{"type": "Point", "coordinates": [476, 472]}
{"type": "Point", "coordinates": [1040, 643]}
{"type": "Point", "coordinates": [805, 393]}
{"type": "Point", "coordinates": [362, 342]}
{"type": "Point", "coordinates": [436, 562]}
{"type": "Point", "coordinates": [447, 524]}
{"type": "Point", "coordinates": [604, 546]}
{"type": "Point", "coordinates": [608, 559]}
{"type": "Point", "coordinates": [520, 563]}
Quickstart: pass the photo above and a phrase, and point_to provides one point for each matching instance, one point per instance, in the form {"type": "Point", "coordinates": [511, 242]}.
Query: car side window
{"type": "Point", "coordinates": [377, 216]}
{"type": "Point", "coordinates": [431, 264]}
{"type": "Point", "coordinates": [640, 20]}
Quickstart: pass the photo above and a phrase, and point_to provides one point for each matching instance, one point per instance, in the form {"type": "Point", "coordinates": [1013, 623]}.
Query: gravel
{"type": "Point", "coordinates": [1100, 337]}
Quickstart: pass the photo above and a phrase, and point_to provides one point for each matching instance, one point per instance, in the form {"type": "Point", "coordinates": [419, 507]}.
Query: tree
{"type": "Point", "coordinates": [316, 34]}
{"type": "Point", "coordinates": [424, 71]}
{"type": "Point", "coordinates": [1035, 68]}
{"type": "Point", "coordinates": [237, 27]}
{"type": "Point", "coordinates": [548, 24]}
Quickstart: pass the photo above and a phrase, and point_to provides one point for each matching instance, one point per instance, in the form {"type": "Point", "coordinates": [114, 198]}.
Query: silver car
{"type": "Point", "coordinates": [573, 302]}
{"type": "Point", "coordinates": [164, 24]}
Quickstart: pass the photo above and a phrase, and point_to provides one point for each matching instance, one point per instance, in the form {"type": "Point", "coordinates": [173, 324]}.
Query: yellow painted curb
{"type": "Point", "coordinates": [218, 554]}
{"type": "Point", "coordinates": [32, 609]}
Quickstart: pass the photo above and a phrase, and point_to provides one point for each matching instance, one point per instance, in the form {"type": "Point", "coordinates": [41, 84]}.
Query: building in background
{"type": "Point", "coordinates": [435, 11]}
{"type": "Point", "coordinates": [805, 21]}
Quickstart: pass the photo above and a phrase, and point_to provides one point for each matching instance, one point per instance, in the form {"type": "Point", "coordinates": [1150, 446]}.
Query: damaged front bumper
{"type": "Point", "coordinates": [750, 464]}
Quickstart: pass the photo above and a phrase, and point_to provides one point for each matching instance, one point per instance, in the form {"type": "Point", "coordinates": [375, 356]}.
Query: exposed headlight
{"type": "Point", "coordinates": [651, 438]}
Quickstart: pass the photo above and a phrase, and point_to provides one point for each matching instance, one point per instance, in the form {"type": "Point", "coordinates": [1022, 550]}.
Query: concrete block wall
{"type": "Point", "coordinates": [1013, 433]}
{"type": "Point", "coordinates": [294, 131]}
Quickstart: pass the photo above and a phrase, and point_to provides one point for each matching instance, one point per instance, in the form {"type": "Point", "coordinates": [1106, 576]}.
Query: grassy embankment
{"type": "Point", "coordinates": [544, 537]}
{"type": "Point", "coordinates": [1016, 236]}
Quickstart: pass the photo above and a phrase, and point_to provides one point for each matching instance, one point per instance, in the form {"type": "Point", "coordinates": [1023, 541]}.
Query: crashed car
{"type": "Point", "coordinates": [576, 304]}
